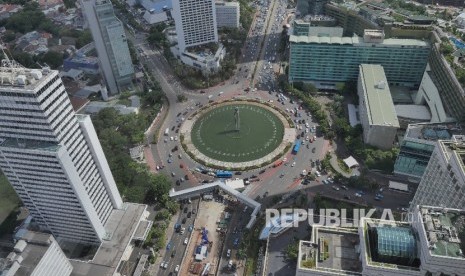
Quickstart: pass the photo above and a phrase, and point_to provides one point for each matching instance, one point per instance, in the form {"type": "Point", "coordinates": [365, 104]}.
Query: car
{"type": "Point", "coordinates": [181, 166]}
{"type": "Point", "coordinates": [377, 198]}
{"type": "Point", "coordinates": [173, 174]}
{"type": "Point", "coordinates": [183, 230]}
{"type": "Point", "coordinates": [262, 171]}
{"type": "Point", "coordinates": [313, 150]}
{"type": "Point", "coordinates": [186, 240]}
{"type": "Point", "coordinates": [176, 269]}
{"type": "Point", "coordinates": [186, 177]}
{"type": "Point", "coordinates": [228, 253]}
{"type": "Point", "coordinates": [344, 187]}
{"type": "Point", "coordinates": [254, 176]}
{"type": "Point", "coordinates": [173, 253]}
{"type": "Point", "coordinates": [325, 181]}
{"type": "Point", "coordinates": [330, 180]}
{"type": "Point", "coordinates": [189, 215]}
{"type": "Point", "coordinates": [358, 195]}
{"type": "Point", "coordinates": [336, 188]}
{"type": "Point", "coordinates": [317, 173]}
{"type": "Point", "coordinates": [178, 182]}
{"type": "Point", "coordinates": [162, 265]}
{"type": "Point", "coordinates": [165, 266]}
{"type": "Point", "coordinates": [361, 192]}
{"type": "Point", "coordinates": [379, 195]}
{"type": "Point", "coordinates": [238, 173]}
{"type": "Point", "coordinates": [171, 138]}
{"type": "Point", "coordinates": [347, 197]}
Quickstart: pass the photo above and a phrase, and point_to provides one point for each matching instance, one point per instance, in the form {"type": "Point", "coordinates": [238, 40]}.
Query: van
{"type": "Point", "coordinates": [173, 253]}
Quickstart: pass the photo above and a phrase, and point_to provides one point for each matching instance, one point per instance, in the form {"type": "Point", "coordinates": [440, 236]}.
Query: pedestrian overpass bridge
{"type": "Point", "coordinates": [210, 187]}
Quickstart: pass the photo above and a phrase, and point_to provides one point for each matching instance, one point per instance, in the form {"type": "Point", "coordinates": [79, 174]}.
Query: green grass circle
{"type": "Point", "coordinates": [215, 135]}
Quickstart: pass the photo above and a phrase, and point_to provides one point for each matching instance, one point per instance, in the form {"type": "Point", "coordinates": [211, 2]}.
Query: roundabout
{"type": "Point", "coordinates": [237, 135]}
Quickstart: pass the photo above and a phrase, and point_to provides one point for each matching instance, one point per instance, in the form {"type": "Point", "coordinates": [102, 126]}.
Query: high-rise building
{"type": "Point", "coordinates": [227, 14]}
{"type": "Point", "coordinates": [195, 22]}
{"type": "Point", "coordinates": [418, 145]}
{"type": "Point", "coordinates": [111, 44]}
{"type": "Point", "coordinates": [52, 157]}
{"type": "Point", "coordinates": [36, 254]}
{"type": "Point", "coordinates": [443, 181]}
{"type": "Point", "coordinates": [377, 112]}
{"type": "Point", "coordinates": [327, 61]}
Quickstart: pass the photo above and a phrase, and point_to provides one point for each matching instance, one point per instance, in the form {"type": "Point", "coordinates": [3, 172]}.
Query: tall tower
{"type": "Point", "coordinates": [443, 182]}
{"type": "Point", "coordinates": [52, 157]}
{"type": "Point", "coordinates": [195, 22]}
{"type": "Point", "coordinates": [111, 44]}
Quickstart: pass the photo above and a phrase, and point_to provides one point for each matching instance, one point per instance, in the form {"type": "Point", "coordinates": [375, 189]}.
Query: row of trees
{"type": "Point", "coordinates": [118, 133]}
{"type": "Point", "coordinates": [310, 103]}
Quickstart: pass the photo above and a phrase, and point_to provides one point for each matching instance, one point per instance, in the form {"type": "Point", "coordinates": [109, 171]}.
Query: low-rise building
{"type": "Point", "coordinates": [377, 113]}
{"type": "Point", "coordinates": [36, 254]}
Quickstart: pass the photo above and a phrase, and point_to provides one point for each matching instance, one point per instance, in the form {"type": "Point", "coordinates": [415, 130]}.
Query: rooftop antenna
{"type": "Point", "coordinates": [9, 68]}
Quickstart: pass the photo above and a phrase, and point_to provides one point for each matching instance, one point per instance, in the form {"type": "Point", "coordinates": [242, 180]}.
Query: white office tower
{"type": "Point", "coordinates": [52, 157]}
{"type": "Point", "coordinates": [227, 14]}
{"type": "Point", "coordinates": [443, 182]}
{"type": "Point", "coordinates": [195, 22]}
{"type": "Point", "coordinates": [36, 254]}
{"type": "Point", "coordinates": [111, 44]}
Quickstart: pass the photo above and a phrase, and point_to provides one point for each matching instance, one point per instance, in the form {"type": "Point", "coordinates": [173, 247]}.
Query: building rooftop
{"type": "Point", "coordinates": [332, 250]}
{"type": "Point", "coordinates": [28, 252]}
{"type": "Point", "coordinates": [395, 241]}
{"type": "Point", "coordinates": [390, 244]}
{"type": "Point", "coordinates": [443, 228]}
{"type": "Point", "coordinates": [379, 103]}
{"type": "Point", "coordinates": [455, 148]}
{"type": "Point", "coordinates": [14, 76]}
{"type": "Point", "coordinates": [121, 228]}
{"type": "Point", "coordinates": [356, 41]}
{"type": "Point", "coordinates": [433, 131]}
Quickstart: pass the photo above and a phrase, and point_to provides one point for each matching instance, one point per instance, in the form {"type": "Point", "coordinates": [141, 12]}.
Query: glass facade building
{"type": "Point", "coordinates": [327, 61]}
{"type": "Point", "coordinates": [413, 158]}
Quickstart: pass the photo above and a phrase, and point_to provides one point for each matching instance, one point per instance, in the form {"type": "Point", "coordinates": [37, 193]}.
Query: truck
{"type": "Point", "coordinates": [224, 174]}
{"type": "Point", "coordinates": [167, 131]}
{"type": "Point", "coordinates": [296, 148]}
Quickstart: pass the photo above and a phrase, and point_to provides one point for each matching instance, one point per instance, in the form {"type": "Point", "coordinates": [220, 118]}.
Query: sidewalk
{"type": "Point", "coordinates": [153, 268]}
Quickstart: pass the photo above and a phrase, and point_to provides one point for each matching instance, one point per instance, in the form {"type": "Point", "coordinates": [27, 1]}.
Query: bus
{"type": "Point", "coordinates": [224, 174]}
{"type": "Point", "coordinates": [296, 146]}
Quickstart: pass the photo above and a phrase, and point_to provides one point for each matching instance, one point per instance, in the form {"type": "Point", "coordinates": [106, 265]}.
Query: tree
{"type": "Point", "coordinates": [292, 251]}
{"type": "Point", "coordinates": [182, 98]}
{"type": "Point", "coordinates": [309, 88]}
{"type": "Point", "coordinates": [52, 58]}
{"type": "Point", "coordinates": [83, 39]}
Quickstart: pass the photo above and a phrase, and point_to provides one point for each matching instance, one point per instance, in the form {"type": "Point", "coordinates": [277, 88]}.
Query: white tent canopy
{"type": "Point", "coordinates": [351, 162]}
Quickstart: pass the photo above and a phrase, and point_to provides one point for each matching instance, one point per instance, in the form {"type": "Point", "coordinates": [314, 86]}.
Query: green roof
{"type": "Point", "coordinates": [443, 247]}
{"type": "Point", "coordinates": [379, 105]}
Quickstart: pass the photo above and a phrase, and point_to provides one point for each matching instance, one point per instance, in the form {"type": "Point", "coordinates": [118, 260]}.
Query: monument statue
{"type": "Point", "coordinates": [236, 118]}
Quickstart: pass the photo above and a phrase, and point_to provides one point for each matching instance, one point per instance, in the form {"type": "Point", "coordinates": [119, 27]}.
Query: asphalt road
{"type": "Point", "coordinates": [176, 241]}
{"type": "Point", "coordinates": [270, 181]}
